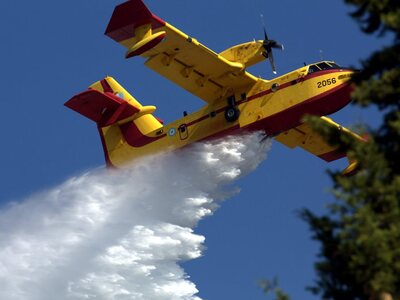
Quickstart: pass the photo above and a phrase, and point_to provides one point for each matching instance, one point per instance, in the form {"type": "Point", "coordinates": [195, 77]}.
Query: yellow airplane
{"type": "Point", "coordinates": [236, 101]}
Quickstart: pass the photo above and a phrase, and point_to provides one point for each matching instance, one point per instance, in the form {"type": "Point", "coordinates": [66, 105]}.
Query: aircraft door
{"type": "Point", "coordinates": [183, 132]}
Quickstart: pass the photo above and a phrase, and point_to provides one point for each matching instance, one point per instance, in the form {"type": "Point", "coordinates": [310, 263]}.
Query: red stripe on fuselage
{"type": "Point", "coordinates": [283, 86]}
{"type": "Point", "coordinates": [103, 143]}
{"type": "Point", "coordinates": [134, 137]}
{"type": "Point", "coordinates": [266, 92]}
{"type": "Point", "coordinates": [292, 116]}
{"type": "Point", "coordinates": [285, 120]}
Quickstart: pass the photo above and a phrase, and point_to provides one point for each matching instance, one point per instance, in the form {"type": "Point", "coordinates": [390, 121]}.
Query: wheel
{"type": "Point", "coordinates": [232, 114]}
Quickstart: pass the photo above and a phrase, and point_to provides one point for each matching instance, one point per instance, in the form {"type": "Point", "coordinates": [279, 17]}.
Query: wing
{"type": "Point", "coordinates": [175, 55]}
{"type": "Point", "coordinates": [303, 136]}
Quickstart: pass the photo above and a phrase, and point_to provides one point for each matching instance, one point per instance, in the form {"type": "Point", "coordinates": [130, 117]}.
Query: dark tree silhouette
{"type": "Point", "coordinates": [360, 234]}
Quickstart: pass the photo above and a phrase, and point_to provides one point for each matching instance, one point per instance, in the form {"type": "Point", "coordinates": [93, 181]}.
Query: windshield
{"type": "Point", "coordinates": [322, 66]}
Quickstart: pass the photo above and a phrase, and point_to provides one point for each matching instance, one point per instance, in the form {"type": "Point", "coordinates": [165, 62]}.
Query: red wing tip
{"type": "Point", "coordinates": [127, 17]}
{"type": "Point", "coordinates": [333, 155]}
{"type": "Point", "coordinates": [71, 103]}
{"type": "Point", "coordinates": [146, 47]}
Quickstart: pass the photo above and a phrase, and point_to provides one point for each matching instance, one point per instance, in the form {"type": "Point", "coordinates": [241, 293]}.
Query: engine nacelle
{"type": "Point", "coordinates": [247, 54]}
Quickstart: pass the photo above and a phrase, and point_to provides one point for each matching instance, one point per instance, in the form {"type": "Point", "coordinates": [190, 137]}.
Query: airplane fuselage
{"type": "Point", "coordinates": [272, 106]}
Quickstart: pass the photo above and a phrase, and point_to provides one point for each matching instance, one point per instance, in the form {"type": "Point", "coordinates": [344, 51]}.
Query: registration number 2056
{"type": "Point", "coordinates": [326, 82]}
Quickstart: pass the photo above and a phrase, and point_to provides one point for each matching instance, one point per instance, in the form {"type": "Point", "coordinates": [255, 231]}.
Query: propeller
{"type": "Point", "coordinates": [268, 45]}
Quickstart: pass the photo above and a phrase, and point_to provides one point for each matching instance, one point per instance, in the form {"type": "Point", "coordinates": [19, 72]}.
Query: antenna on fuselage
{"type": "Point", "coordinates": [321, 54]}
{"type": "Point", "coordinates": [268, 45]}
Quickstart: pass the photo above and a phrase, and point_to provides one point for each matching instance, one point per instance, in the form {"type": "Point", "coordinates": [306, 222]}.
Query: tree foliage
{"type": "Point", "coordinates": [360, 234]}
{"type": "Point", "coordinates": [272, 287]}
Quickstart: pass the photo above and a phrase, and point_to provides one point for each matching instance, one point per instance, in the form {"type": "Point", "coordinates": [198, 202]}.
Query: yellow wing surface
{"type": "Point", "coordinates": [175, 55]}
{"type": "Point", "coordinates": [304, 137]}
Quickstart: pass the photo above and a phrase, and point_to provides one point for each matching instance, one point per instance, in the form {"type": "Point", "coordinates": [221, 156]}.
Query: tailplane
{"type": "Point", "coordinates": [115, 112]}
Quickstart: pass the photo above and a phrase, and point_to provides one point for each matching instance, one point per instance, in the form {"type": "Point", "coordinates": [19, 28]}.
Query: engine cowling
{"type": "Point", "coordinates": [247, 54]}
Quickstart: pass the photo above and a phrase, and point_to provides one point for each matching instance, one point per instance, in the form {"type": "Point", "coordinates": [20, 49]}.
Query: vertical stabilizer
{"type": "Point", "coordinates": [120, 118]}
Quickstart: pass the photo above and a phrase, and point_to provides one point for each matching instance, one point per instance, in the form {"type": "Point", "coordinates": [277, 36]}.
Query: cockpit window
{"type": "Point", "coordinates": [334, 66]}
{"type": "Point", "coordinates": [324, 66]}
{"type": "Point", "coordinates": [313, 69]}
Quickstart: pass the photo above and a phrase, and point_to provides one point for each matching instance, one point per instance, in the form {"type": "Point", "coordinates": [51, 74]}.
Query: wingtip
{"type": "Point", "coordinates": [127, 17]}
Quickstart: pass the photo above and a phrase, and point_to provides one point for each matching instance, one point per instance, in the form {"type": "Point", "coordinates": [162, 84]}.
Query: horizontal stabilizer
{"type": "Point", "coordinates": [103, 108]}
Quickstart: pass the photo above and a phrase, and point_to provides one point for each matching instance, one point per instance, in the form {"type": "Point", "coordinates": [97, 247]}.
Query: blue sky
{"type": "Point", "coordinates": [53, 50]}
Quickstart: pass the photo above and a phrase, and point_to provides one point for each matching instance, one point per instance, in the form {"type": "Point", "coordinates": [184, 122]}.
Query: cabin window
{"type": "Point", "coordinates": [313, 69]}
{"type": "Point", "coordinates": [275, 87]}
{"type": "Point", "coordinates": [183, 132]}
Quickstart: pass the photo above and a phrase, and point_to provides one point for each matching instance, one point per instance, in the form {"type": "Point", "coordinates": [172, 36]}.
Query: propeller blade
{"type": "Point", "coordinates": [265, 34]}
{"type": "Point", "coordinates": [272, 62]}
{"type": "Point", "coordinates": [278, 46]}
{"type": "Point", "coordinates": [268, 45]}
{"type": "Point", "coordinates": [264, 27]}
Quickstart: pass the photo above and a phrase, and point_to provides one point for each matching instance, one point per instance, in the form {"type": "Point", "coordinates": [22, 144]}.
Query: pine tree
{"type": "Point", "coordinates": [360, 233]}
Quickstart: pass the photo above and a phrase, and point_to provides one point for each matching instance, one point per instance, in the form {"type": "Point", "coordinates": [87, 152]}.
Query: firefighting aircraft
{"type": "Point", "coordinates": [236, 101]}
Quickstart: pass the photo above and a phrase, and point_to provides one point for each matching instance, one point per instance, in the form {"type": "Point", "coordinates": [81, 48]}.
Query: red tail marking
{"type": "Point", "coordinates": [104, 109]}
{"type": "Point", "coordinates": [135, 138]}
{"type": "Point", "coordinates": [106, 87]}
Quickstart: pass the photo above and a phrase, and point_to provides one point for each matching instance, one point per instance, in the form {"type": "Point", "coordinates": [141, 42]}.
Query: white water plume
{"type": "Point", "coordinates": [121, 234]}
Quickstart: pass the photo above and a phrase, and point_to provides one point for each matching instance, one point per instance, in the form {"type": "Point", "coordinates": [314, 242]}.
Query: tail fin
{"type": "Point", "coordinates": [115, 111]}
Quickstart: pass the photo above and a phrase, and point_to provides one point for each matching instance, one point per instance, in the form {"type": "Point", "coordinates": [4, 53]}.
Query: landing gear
{"type": "Point", "coordinates": [232, 113]}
